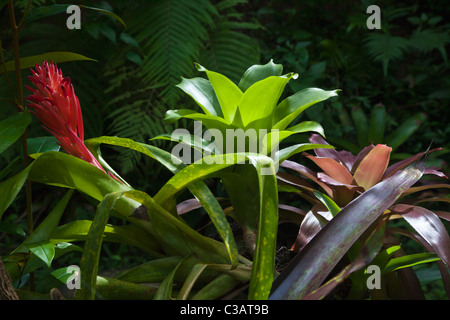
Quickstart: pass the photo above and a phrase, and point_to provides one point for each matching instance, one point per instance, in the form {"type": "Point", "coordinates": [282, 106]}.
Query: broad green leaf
{"type": "Point", "coordinates": [288, 152]}
{"type": "Point", "coordinates": [405, 130]}
{"type": "Point", "coordinates": [294, 105]}
{"type": "Point", "coordinates": [328, 202]}
{"type": "Point", "coordinates": [48, 225]}
{"type": "Point", "coordinates": [60, 169]}
{"type": "Point", "coordinates": [279, 136]}
{"type": "Point", "coordinates": [176, 236]}
{"type": "Point", "coordinates": [164, 291]}
{"type": "Point", "coordinates": [203, 93]}
{"type": "Point", "coordinates": [264, 259]}
{"type": "Point", "coordinates": [33, 262]}
{"type": "Point", "coordinates": [190, 281]}
{"type": "Point", "coordinates": [153, 271]}
{"type": "Point", "coordinates": [259, 72]}
{"type": "Point", "coordinates": [10, 188]}
{"type": "Point", "coordinates": [91, 252]}
{"type": "Point", "coordinates": [377, 124]}
{"type": "Point", "coordinates": [317, 259]}
{"type": "Point", "coordinates": [62, 274]}
{"type": "Point", "coordinates": [113, 289]}
{"type": "Point", "coordinates": [409, 261]}
{"type": "Point", "coordinates": [259, 100]}
{"type": "Point", "coordinates": [42, 144]}
{"type": "Point", "coordinates": [12, 129]}
{"type": "Point", "coordinates": [226, 91]}
{"type": "Point", "coordinates": [43, 250]}
{"type": "Point", "coordinates": [56, 57]}
{"type": "Point", "coordinates": [209, 121]}
{"type": "Point", "coordinates": [216, 288]}
{"type": "Point", "coordinates": [109, 13]}
{"type": "Point", "coordinates": [128, 234]}
{"type": "Point", "coordinates": [198, 188]}
{"type": "Point", "coordinates": [362, 125]}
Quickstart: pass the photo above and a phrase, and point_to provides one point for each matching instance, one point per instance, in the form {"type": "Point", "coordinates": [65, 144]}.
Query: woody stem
{"type": "Point", "coordinates": [20, 103]}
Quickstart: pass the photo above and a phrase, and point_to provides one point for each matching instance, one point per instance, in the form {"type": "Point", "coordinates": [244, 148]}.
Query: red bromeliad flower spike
{"type": "Point", "coordinates": [55, 104]}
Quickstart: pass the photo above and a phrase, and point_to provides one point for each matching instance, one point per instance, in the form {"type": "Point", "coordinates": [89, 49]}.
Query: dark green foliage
{"type": "Point", "coordinates": [403, 66]}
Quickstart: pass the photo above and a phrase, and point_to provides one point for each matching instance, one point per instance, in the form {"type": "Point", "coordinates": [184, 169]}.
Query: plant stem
{"type": "Point", "coordinates": [20, 100]}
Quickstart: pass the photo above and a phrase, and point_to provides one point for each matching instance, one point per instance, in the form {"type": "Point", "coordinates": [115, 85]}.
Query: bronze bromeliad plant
{"type": "Point", "coordinates": [345, 180]}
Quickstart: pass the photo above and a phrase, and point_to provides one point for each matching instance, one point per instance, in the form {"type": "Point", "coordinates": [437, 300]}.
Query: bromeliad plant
{"type": "Point", "coordinates": [366, 192]}
{"type": "Point", "coordinates": [250, 110]}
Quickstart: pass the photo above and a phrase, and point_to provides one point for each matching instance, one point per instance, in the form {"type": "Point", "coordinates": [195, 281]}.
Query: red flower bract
{"type": "Point", "coordinates": [55, 104]}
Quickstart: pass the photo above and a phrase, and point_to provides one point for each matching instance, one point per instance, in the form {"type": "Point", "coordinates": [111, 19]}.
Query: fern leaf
{"type": "Point", "coordinates": [171, 33]}
{"type": "Point", "coordinates": [385, 48]}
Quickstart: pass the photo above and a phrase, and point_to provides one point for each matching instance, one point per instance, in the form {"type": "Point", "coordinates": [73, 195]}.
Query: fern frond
{"type": "Point", "coordinates": [228, 48]}
{"type": "Point", "coordinates": [171, 34]}
{"type": "Point", "coordinates": [385, 48]}
{"type": "Point", "coordinates": [428, 40]}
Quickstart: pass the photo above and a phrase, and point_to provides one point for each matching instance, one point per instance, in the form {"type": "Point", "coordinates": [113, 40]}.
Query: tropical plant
{"type": "Point", "coordinates": [364, 191]}
{"type": "Point", "coordinates": [250, 110]}
{"type": "Point", "coordinates": [372, 130]}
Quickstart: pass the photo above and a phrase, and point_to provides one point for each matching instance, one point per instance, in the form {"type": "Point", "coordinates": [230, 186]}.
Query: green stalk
{"type": "Point", "coordinates": [21, 108]}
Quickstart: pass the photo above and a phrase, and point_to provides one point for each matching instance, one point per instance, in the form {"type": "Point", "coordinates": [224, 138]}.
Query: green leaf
{"type": "Point", "coordinates": [362, 125]}
{"type": "Point", "coordinates": [153, 271]}
{"type": "Point", "coordinates": [12, 129]}
{"type": "Point", "coordinates": [288, 152]}
{"type": "Point", "coordinates": [164, 291]}
{"type": "Point", "coordinates": [377, 124]}
{"type": "Point", "coordinates": [294, 105]}
{"type": "Point", "coordinates": [216, 288]}
{"type": "Point", "coordinates": [190, 281]}
{"type": "Point", "coordinates": [405, 130]}
{"type": "Point", "coordinates": [56, 57]}
{"type": "Point", "coordinates": [328, 202]}
{"type": "Point", "coordinates": [203, 93]}
{"type": "Point", "coordinates": [60, 169]}
{"type": "Point", "coordinates": [44, 231]}
{"type": "Point", "coordinates": [42, 144]}
{"type": "Point", "coordinates": [109, 13]}
{"type": "Point", "coordinates": [198, 189]}
{"type": "Point", "coordinates": [131, 234]}
{"type": "Point", "coordinates": [317, 259]}
{"type": "Point", "coordinates": [44, 250]}
{"type": "Point", "coordinates": [409, 261]}
{"type": "Point", "coordinates": [62, 274]}
{"type": "Point", "coordinates": [226, 91]}
{"type": "Point", "coordinates": [92, 247]}
{"type": "Point", "coordinates": [259, 100]}
{"type": "Point", "coordinates": [10, 188]}
{"type": "Point", "coordinates": [264, 260]}
{"type": "Point", "coordinates": [259, 72]}
{"type": "Point", "coordinates": [176, 236]}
